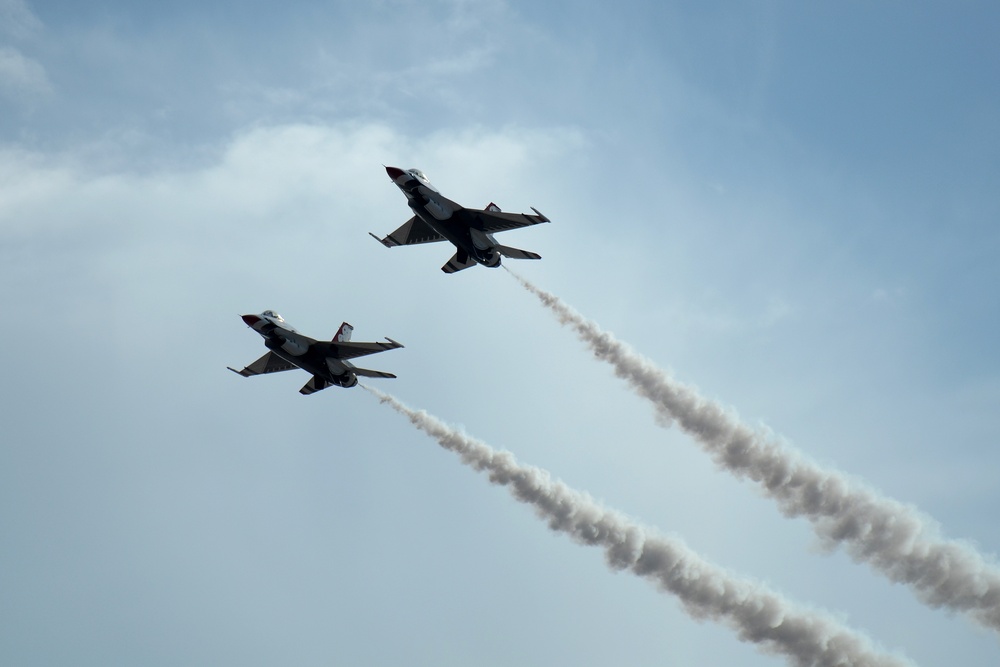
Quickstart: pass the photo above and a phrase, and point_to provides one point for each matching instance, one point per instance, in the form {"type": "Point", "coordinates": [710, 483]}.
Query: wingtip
{"type": "Point", "coordinates": [384, 241]}
{"type": "Point", "coordinates": [396, 343]}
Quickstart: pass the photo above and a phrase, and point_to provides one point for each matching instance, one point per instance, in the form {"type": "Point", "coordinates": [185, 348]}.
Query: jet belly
{"type": "Point", "coordinates": [332, 370]}
{"type": "Point", "coordinates": [462, 237]}
{"type": "Point", "coordinates": [445, 227]}
{"type": "Point", "coordinates": [300, 360]}
{"type": "Point", "coordinates": [338, 366]}
{"type": "Point", "coordinates": [436, 206]}
{"type": "Point", "coordinates": [286, 347]}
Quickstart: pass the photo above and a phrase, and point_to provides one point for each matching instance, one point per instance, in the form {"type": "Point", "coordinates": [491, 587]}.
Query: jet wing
{"type": "Point", "coordinates": [269, 363]}
{"type": "Point", "coordinates": [413, 231]}
{"type": "Point", "coordinates": [351, 350]}
{"type": "Point", "coordinates": [494, 220]}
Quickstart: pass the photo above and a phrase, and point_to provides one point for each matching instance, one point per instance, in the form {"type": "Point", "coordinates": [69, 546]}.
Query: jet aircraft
{"type": "Point", "coordinates": [327, 362]}
{"type": "Point", "coordinates": [437, 218]}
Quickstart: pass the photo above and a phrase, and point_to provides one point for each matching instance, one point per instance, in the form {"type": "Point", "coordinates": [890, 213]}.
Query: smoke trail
{"type": "Point", "coordinates": [759, 616]}
{"type": "Point", "coordinates": [893, 538]}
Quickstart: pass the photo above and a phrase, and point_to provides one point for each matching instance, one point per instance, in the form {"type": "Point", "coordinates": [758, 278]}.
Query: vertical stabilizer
{"type": "Point", "coordinates": [343, 333]}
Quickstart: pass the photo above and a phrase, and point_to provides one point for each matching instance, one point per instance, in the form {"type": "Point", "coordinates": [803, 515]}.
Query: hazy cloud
{"type": "Point", "coordinates": [20, 74]}
{"type": "Point", "coordinates": [17, 20]}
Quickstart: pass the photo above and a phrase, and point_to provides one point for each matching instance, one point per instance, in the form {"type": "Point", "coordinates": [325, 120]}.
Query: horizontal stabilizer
{"type": "Point", "coordinates": [454, 264]}
{"type": "Point", "coordinates": [364, 372]}
{"type": "Point", "coordinates": [517, 253]}
{"type": "Point", "coordinates": [315, 384]}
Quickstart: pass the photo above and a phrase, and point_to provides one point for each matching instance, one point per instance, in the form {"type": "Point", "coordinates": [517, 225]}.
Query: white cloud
{"type": "Point", "coordinates": [273, 198]}
{"type": "Point", "coordinates": [732, 249]}
{"type": "Point", "coordinates": [270, 169]}
{"type": "Point", "coordinates": [17, 20]}
{"type": "Point", "coordinates": [20, 74]}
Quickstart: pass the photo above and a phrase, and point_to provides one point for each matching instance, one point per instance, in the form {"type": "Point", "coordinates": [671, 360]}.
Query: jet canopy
{"type": "Point", "coordinates": [273, 315]}
{"type": "Point", "coordinates": [422, 177]}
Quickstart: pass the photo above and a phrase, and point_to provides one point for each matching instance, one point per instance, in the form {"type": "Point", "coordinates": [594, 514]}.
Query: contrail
{"type": "Point", "coordinates": [807, 638]}
{"type": "Point", "coordinates": [895, 539]}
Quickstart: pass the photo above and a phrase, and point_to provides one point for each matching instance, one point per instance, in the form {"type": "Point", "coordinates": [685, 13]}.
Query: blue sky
{"type": "Point", "coordinates": [791, 207]}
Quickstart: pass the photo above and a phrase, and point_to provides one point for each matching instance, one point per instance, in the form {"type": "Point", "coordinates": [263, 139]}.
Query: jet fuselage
{"type": "Point", "coordinates": [296, 349]}
{"type": "Point", "coordinates": [437, 211]}
{"type": "Point", "coordinates": [326, 361]}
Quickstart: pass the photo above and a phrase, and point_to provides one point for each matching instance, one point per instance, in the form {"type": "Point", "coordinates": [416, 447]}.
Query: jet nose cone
{"type": "Point", "coordinates": [250, 319]}
{"type": "Point", "coordinates": [394, 172]}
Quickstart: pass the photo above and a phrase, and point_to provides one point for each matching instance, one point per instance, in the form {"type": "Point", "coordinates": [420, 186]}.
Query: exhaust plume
{"type": "Point", "coordinates": [805, 637]}
{"type": "Point", "coordinates": [895, 539]}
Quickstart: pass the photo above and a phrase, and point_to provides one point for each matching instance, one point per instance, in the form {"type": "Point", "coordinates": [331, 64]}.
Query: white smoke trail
{"type": "Point", "coordinates": [805, 637]}
{"type": "Point", "coordinates": [893, 538]}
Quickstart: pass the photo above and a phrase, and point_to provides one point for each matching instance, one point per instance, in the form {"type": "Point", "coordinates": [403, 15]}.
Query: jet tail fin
{"type": "Point", "coordinates": [517, 253]}
{"type": "Point", "coordinates": [343, 333]}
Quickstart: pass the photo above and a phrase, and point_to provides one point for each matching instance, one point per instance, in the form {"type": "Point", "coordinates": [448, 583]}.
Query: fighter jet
{"type": "Point", "coordinates": [327, 362]}
{"type": "Point", "coordinates": [470, 230]}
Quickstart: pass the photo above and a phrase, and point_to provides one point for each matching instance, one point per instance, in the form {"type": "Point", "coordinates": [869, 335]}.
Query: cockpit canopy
{"type": "Point", "coordinates": [422, 177]}
{"type": "Point", "coordinates": [273, 315]}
